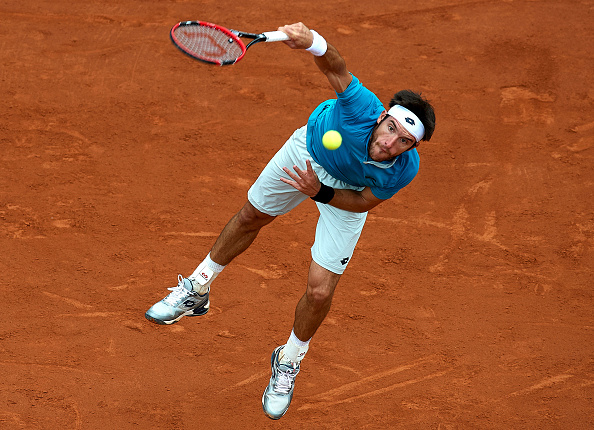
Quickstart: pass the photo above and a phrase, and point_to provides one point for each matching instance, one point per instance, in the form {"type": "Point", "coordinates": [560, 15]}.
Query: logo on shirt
{"type": "Point", "coordinates": [344, 261]}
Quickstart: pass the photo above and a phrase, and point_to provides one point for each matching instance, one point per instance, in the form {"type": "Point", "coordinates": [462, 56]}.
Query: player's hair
{"type": "Point", "coordinates": [418, 105]}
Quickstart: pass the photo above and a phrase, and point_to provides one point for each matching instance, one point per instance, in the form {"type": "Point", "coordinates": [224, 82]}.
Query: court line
{"type": "Point", "coordinates": [52, 366]}
{"type": "Point", "coordinates": [70, 301]}
{"type": "Point", "coordinates": [352, 386]}
{"type": "Point", "coordinates": [247, 381]}
{"type": "Point", "coordinates": [375, 392]}
{"type": "Point", "coordinates": [542, 384]}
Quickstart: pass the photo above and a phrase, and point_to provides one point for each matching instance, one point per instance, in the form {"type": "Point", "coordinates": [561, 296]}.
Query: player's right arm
{"type": "Point", "coordinates": [334, 67]}
{"type": "Point", "coordinates": [331, 63]}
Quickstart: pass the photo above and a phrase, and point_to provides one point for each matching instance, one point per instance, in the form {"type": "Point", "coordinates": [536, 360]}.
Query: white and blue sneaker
{"type": "Point", "coordinates": [279, 392]}
{"type": "Point", "coordinates": [182, 301]}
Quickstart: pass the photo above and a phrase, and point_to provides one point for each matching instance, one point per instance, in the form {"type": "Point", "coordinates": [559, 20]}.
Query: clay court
{"type": "Point", "coordinates": [468, 303]}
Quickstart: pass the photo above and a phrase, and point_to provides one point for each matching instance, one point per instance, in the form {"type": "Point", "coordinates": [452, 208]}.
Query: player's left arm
{"type": "Point", "coordinates": [308, 183]}
{"type": "Point", "coordinates": [355, 201]}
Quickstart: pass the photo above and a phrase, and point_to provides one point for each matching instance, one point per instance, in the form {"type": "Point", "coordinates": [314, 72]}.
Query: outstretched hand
{"type": "Point", "coordinates": [305, 181]}
{"type": "Point", "coordinates": [300, 36]}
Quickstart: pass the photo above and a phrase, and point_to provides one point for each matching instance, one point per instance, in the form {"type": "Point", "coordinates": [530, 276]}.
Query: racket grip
{"type": "Point", "coordinates": [275, 36]}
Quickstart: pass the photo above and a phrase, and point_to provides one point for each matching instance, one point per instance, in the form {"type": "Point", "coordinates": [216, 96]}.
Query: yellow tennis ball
{"type": "Point", "coordinates": [332, 140]}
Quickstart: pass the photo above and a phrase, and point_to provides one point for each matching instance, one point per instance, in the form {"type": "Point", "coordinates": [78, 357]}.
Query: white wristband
{"type": "Point", "coordinates": [319, 45]}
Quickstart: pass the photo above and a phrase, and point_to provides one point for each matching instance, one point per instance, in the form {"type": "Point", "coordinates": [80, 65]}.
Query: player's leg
{"type": "Point", "coordinates": [191, 295]}
{"type": "Point", "coordinates": [285, 361]}
{"type": "Point", "coordinates": [267, 198]}
{"type": "Point", "coordinates": [315, 303]}
{"type": "Point", "coordinates": [337, 234]}
{"type": "Point", "coordinates": [239, 233]}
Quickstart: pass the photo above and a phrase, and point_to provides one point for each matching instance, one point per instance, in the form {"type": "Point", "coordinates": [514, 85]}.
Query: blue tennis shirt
{"type": "Point", "coordinates": [354, 114]}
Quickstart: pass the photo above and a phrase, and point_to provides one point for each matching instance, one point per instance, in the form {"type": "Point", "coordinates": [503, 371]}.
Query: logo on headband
{"type": "Point", "coordinates": [410, 120]}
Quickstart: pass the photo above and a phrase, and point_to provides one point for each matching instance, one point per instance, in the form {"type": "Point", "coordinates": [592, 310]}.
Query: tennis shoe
{"type": "Point", "coordinates": [279, 392]}
{"type": "Point", "coordinates": [182, 301]}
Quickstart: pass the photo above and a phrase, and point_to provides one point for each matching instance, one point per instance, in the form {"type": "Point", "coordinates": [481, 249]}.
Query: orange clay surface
{"type": "Point", "coordinates": [468, 303]}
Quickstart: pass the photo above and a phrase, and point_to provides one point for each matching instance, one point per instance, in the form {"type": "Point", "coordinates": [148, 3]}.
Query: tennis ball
{"type": "Point", "coordinates": [332, 140]}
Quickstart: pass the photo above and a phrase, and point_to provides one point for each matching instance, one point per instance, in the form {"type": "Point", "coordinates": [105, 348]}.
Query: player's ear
{"type": "Point", "coordinates": [382, 116]}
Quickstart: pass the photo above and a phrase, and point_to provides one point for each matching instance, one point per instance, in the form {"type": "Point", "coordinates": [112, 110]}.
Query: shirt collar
{"type": "Point", "coordinates": [381, 164]}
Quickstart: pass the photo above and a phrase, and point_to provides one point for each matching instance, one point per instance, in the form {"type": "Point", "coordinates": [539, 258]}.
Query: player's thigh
{"type": "Point", "coordinates": [337, 234]}
{"type": "Point", "coordinates": [269, 194]}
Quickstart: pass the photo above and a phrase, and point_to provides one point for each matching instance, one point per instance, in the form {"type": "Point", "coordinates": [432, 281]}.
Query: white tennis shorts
{"type": "Point", "coordinates": [337, 231]}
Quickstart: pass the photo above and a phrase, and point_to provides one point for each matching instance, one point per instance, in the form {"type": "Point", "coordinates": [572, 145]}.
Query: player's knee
{"type": "Point", "coordinates": [319, 296]}
{"type": "Point", "coordinates": [251, 218]}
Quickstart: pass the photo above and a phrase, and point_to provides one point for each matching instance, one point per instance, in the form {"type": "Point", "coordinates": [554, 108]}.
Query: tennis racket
{"type": "Point", "coordinates": [215, 44]}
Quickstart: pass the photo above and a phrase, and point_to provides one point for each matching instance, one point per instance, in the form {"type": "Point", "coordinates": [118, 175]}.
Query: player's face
{"type": "Point", "coordinates": [389, 139]}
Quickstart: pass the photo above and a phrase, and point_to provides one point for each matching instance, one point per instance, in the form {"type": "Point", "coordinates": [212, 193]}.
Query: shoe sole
{"type": "Point", "coordinates": [203, 310]}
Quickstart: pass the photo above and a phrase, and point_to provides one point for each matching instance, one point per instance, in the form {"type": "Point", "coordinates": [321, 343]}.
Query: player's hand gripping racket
{"type": "Point", "coordinates": [215, 44]}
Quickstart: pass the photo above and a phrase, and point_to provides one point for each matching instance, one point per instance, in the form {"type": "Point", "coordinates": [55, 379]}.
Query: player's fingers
{"type": "Point", "coordinates": [300, 172]}
{"type": "Point", "coordinates": [285, 30]}
{"type": "Point", "coordinates": [299, 35]}
{"type": "Point", "coordinates": [290, 42]}
{"type": "Point", "coordinates": [287, 181]}
{"type": "Point", "coordinates": [291, 174]}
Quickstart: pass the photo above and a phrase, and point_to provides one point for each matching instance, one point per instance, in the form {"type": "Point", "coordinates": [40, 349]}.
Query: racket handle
{"type": "Point", "coordinates": [275, 36]}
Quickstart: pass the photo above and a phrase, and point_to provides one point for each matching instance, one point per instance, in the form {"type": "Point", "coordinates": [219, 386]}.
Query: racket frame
{"type": "Point", "coordinates": [272, 36]}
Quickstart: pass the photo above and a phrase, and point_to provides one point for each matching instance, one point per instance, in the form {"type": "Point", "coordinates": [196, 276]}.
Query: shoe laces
{"type": "Point", "coordinates": [178, 292]}
{"type": "Point", "coordinates": [286, 377]}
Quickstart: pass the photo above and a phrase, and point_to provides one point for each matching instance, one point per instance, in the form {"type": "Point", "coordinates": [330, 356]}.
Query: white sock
{"type": "Point", "coordinates": [295, 349]}
{"type": "Point", "coordinates": [205, 274]}
{"type": "Point", "coordinates": [216, 267]}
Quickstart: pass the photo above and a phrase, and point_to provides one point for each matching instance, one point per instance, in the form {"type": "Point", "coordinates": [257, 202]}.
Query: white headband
{"type": "Point", "coordinates": [408, 120]}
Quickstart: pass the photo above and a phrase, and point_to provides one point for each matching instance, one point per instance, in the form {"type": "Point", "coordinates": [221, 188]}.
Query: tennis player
{"type": "Point", "coordinates": [378, 157]}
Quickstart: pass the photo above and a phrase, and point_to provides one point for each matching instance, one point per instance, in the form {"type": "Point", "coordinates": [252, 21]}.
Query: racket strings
{"type": "Point", "coordinates": [208, 43]}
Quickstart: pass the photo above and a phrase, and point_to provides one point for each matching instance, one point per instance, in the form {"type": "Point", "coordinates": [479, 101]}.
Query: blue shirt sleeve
{"type": "Point", "coordinates": [358, 104]}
